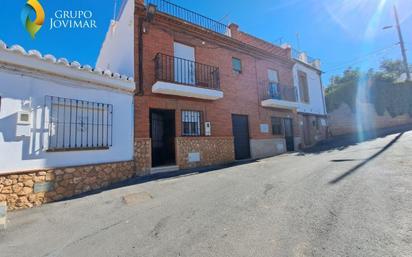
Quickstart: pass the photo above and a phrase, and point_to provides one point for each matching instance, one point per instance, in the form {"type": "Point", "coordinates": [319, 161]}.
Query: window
{"type": "Point", "coordinates": [273, 76]}
{"type": "Point", "coordinates": [273, 79]}
{"type": "Point", "coordinates": [236, 65]}
{"type": "Point", "coordinates": [303, 87]}
{"type": "Point", "coordinates": [78, 125]}
{"type": "Point", "coordinates": [191, 123]}
{"type": "Point", "coordinates": [277, 126]}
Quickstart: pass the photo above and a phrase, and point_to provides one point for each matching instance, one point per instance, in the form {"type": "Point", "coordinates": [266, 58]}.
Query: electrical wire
{"type": "Point", "coordinates": [368, 56]}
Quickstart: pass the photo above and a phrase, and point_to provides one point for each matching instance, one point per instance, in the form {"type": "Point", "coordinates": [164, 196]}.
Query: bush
{"type": "Point", "coordinates": [395, 98]}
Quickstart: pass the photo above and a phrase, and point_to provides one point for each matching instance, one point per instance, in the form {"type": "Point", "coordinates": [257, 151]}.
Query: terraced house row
{"type": "Point", "coordinates": [204, 93]}
{"type": "Point", "coordinates": [208, 93]}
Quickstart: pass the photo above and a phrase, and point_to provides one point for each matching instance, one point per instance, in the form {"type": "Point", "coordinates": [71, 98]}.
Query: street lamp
{"type": "Point", "coordinates": [401, 43]}
{"type": "Point", "coordinates": [151, 11]}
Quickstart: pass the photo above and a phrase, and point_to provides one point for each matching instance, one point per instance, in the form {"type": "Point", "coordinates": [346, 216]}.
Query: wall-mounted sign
{"type": "Point", "coordinates": [264, 128]}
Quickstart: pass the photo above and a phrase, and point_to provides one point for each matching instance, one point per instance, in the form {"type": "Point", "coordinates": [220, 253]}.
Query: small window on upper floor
{"type": "Point", "coordinates": [236, 65]}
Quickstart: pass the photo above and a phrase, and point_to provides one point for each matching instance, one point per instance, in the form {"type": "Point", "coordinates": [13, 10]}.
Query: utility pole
{"type": "Point", "coordinates": [402, 44]}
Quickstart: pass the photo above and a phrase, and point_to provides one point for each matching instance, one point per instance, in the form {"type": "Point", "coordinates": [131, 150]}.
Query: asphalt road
{"type": "Point", "coordinates": [351, 201]}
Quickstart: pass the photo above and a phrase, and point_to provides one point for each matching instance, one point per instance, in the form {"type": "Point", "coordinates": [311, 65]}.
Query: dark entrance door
{"type": "Point", "coordinates": [306, 130]}
{"type": "Point", "coordinates": [162, 133]}
{"type": "Point", "coordinates": [290, 141]}
{"type": "Point", "coordinates": [241, 136]}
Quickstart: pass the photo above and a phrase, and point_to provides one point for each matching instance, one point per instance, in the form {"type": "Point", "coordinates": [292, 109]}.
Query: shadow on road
{"type": "Point", "coordinates": [342, 142]}
{"type": "Point", "coordinates": [360, 165]}
{"type": "Point", "coordinates": [346, 160]}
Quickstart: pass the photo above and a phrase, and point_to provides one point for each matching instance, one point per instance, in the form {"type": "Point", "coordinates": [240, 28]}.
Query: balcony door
{"type": "Point", "coordinates": [184, 64]}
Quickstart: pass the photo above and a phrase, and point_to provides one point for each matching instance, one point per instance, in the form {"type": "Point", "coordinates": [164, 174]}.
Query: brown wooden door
{"type": "Point", "coordinates": [306, 130]}
{"type": "Point", "coordinates": [289, 136]}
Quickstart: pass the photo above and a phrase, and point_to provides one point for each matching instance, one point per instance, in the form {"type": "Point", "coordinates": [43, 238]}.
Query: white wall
{"type": "Point", "coordinates": [117, 51]}
{"type": "Point", "coordinates": [25, 88]}
{"type": "Point", "coordinates": [316, 95]}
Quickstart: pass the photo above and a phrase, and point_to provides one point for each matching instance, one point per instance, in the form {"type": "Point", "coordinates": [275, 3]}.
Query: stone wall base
{"type": "Point", "coordinates": [34, 188]}
{"type": "Point", "coordinates": [192, 152]}
{"type": "Point", "coordinates": [143, 155]}
{"type": "Point", "coordinates": [262, 148]}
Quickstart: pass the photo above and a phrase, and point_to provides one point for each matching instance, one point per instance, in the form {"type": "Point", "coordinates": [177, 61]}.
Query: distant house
{"type": "Point", "coordinates": [307, 77]}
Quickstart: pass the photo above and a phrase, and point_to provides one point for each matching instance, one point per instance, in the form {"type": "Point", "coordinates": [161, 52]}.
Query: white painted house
{"type": "Point", "coordinates": [117, 52]}
{"type": "Point", "coordinates": [55, 113]}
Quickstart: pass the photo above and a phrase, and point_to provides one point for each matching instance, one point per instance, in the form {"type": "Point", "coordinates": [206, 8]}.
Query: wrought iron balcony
{"type": "Point", "coordinates": [189, 16]}
{"type": "Point", "coordinates": [186, 72]}
{"type": "Point", "coordinates": [279, 96]}
{"type": "Point", "coordinates": [177, 76]}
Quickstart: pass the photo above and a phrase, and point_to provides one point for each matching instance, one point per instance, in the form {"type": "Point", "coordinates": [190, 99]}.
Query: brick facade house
{"type": "Point", "coordinates": [178, 54]}
{"type": "Point", "coordinates": [206, 93]}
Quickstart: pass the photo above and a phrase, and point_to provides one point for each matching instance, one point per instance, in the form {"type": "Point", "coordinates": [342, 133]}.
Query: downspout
{"type": "Point", "coordinates": [322, 89]}
{"type": "Point", "coordinates": [328, 133]}
{"type": "Point", "coordinates": [140, 56]}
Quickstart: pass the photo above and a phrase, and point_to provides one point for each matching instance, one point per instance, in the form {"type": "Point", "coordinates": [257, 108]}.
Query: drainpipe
{"type": "Point", "coordinates": [322, 89]}
{"type": "Point", "coordinates": [140, 56]}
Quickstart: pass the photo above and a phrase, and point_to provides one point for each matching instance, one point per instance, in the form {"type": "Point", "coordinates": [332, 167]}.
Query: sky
{"type": "Point", "coordinates": [340, 33]}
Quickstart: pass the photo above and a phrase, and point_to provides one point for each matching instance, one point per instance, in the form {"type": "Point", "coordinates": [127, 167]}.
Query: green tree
{"type": "Point", "coordinates": [390, 70]}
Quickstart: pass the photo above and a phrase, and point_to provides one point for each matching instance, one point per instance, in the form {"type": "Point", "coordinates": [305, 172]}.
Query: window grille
{"type": "Point", "coordinates": [191, 123]}
{"type": "Point", "coordinates": [274, 90]}
{"type": "Point", "coordinates": [277, 126]}
{"type": "Point", "coordinates": [75, 125]}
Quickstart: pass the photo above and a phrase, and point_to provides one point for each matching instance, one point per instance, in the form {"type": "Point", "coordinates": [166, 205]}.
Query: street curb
{"type": "Point", "coordinates": [3, 215]}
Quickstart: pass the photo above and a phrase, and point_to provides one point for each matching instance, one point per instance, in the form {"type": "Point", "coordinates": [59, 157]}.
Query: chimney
{"type": "Point", "coordinates": [234, 29]}
{"type": "Point", "coordinates": [288, 49]}
{"type": "Point", "coordinates": [303, 57]}
{"type": "Point", "coordinates": [316, 64]}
